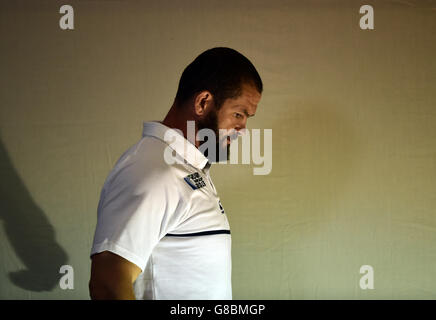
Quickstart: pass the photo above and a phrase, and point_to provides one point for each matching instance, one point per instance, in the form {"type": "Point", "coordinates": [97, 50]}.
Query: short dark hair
{"type": "Point", "coordinates": [222, 71]}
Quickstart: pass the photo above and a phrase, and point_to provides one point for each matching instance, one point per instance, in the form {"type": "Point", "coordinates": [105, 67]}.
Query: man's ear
{"type": "Point", "coordinates": [203, 103]}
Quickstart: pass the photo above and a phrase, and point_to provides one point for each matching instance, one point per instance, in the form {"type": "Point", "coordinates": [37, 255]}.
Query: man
{"type": "Point", "coordinates": [162, 232]}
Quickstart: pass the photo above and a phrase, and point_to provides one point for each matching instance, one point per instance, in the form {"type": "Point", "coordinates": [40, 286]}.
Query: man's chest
{"type": "Point", "coordinates": [204, 211]}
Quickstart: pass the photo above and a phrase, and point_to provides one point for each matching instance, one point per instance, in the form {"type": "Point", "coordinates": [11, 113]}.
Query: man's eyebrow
{"type": "Point", "coordinates": [248, 115]}
{"type": "Point", "coordinates": [244, 110]}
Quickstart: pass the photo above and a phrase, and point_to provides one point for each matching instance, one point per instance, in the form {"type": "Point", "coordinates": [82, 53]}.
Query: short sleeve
{"type": "Point", "coordinates": [138, 206]}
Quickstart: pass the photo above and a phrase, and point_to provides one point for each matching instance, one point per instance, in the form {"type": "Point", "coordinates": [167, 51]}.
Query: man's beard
{"type": "Point", "coordinates": [211, 122]}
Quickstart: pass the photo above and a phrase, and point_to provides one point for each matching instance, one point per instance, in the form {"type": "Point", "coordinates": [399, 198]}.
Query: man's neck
{"type": "Point", "coordinates": [177, 119]}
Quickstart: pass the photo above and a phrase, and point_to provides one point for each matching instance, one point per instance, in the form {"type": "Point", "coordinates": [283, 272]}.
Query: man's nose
{"type": "Point", "coordinates": [241, 125]}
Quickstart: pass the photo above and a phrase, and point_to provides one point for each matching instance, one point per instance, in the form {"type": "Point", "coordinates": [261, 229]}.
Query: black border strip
{"type": "Point", "coordinates": [195, 234]}
{"type": "Point", "coordinates": [223, 309]}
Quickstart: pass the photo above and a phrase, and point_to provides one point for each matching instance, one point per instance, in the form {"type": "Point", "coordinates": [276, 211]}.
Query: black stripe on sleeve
{"type": "Point", "coordinates": [195, 234]}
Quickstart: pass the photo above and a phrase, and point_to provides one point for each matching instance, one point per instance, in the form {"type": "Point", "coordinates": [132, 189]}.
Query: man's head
{"type": "Point", "coordinates": [221, 88]}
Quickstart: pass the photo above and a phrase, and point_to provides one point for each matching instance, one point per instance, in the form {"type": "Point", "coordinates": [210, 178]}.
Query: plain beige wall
{"type": "Point", "coordinates": [353, 114]}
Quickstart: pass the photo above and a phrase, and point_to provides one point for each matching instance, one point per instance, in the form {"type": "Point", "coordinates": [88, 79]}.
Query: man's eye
{"type": "Point", "coordinates": [238, 115]}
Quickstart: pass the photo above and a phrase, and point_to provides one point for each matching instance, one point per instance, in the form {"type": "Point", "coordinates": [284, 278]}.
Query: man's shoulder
{"type": "Point", "coordinates": [146, 160]}
{"type": "Point", "coordinates": [147, 154]}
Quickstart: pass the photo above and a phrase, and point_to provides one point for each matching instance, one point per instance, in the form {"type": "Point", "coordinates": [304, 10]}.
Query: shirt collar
{"type": "Point", "coordinates": [181, 145]}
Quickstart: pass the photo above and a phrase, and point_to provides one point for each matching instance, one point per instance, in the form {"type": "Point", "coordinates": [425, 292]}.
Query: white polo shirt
{"type": "Point", "coordinates": [167, 219]}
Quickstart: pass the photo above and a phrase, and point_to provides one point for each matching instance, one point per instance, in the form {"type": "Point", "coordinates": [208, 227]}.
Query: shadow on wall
{"type": "Point", "coordinates": [29, 232]}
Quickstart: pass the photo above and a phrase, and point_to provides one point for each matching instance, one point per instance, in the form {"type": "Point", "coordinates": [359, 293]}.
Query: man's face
{"type": "Point", "coordinates": [234, 113]}
{"type": "Point", "coordinates": [232, 116]}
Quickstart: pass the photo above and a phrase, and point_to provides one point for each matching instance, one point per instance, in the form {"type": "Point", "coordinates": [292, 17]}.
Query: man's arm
{"type": "Point", "coordinates": [112, 277]}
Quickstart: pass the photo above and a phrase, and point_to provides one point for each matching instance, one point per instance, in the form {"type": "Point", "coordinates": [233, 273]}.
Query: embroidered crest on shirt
{"type": "Point", "coordinates": [195, 181]}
